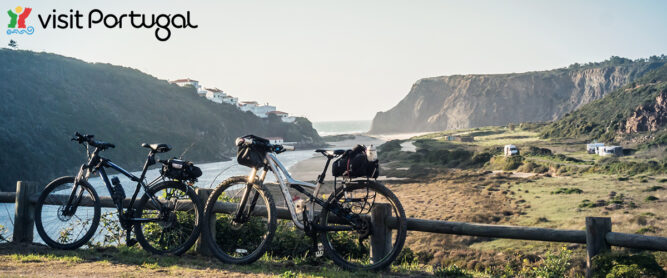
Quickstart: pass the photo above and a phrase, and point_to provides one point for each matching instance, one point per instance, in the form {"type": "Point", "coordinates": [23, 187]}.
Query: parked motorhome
{"type": "Point", "coordinates": [511, 150]}
{"type": "Point", "coordinates": [592, 148]}
{"type": "Point", "coordinates": [610, 151]}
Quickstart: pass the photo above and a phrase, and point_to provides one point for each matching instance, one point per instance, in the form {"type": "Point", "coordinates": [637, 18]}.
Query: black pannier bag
{"type": "Point", "coordinates": [354, 164]}
{"type": "Point", "coordinates": [180, 170]}
{"type": "Point", "coordinates": [252, 155]}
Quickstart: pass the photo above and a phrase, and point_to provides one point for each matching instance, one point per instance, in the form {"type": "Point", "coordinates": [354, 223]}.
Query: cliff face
{"type": "Point", "coordinates": [648, 117]}
{"type": "Point", "coordinates": [452, 102]}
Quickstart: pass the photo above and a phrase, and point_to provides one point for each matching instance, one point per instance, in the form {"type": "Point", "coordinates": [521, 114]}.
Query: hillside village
{"type": "Point", "coordinates": [219, 96]}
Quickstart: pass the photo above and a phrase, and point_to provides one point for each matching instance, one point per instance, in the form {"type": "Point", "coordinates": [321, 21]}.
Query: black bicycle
{"type": "Point", "coordinates": [241, 214]}
{"type": "Point", "coordinates": [165, 219]}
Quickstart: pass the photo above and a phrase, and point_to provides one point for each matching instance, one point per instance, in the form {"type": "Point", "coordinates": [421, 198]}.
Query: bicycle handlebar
{"type": "Point", "coordinates": [88, 138]}
{"type": "Point", "coordinates": [268, 146]}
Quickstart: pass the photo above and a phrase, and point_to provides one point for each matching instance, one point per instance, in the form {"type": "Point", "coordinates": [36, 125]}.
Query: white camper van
{"type": "Point", "coordinates": [511, 150]}
{"type": "Point", "coordinates": [592, 148]}
{"type": "Point", "coordinates": [610, 151]}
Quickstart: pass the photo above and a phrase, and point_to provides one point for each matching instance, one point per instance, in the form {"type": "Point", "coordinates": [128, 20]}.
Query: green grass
{"type": "Point", "coordinates": [488, 136]}
{"type": "Point", "coordinates": [192, 263]}
{"type": "Point", "coordinates": [46, 257]}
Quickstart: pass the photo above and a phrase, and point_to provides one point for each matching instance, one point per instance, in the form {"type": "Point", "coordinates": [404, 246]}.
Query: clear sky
{"type": "Point", "coordinates": [346, 60]}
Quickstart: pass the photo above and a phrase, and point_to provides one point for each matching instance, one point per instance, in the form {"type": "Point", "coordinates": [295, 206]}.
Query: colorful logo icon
{"type": "Point", "coordinates": [17, 19]}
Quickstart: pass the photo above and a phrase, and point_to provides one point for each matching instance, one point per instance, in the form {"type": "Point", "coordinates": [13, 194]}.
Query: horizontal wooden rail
{"type": "Point", "coordinates": [496, 231]}
{"type": "Point", "coordinates": [7, 197]}
{"type": "Point", "coordinates": [636, 241]}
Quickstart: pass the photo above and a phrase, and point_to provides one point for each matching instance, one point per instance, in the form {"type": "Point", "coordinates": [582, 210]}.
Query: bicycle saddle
{"type": "Point", "coordinates": [328, 152]}
{"type": "Point", "coordinates": [158, 148]}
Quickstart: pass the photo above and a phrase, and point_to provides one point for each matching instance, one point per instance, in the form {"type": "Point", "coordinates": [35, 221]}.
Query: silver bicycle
{"type": "Point", "coordinates": [240, 214]}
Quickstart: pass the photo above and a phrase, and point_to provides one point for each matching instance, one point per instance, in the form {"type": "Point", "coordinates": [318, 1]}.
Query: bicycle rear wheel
{"type": "Point", "coordinates": [177, 227]}
{"type": "Point", "coordinates": [64, 222]}
{"type": "Point", "coordinates": [351, 249]}
{"type": "Point", "coordinates": [245, 239]}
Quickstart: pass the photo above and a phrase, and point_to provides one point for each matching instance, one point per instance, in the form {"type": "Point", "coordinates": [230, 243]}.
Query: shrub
{"type": "Point", "coordinates": [451, 271]}
{"type": "Point", "coordinates": [587, 204]}
{"type": "Point", "coordinates": [651, 198]}
{"type": "Point", "coordinates": [531, 167]}
{"type": "Point", "coordinates": [654, 188]}
{"type": "Point", "coordinates": [506, 163]}
{"type": "Point", "coordinates": [3, 231]}
{"type": "Point", "coordinates": [564, 190]}
{"type": "Point", "coordinates": [539, 151]}
{"type": "Point", "coordinates": [289, 274]}
{"type": "Point", "coordinates": [289, 242]}
{"type": "Point", "coordinates": [647, 229]}
{"type": "Point", "coordinates": [626, 265]}
{"type": "Point", "coordinates": [406, 256]}
{"type": "Point", "coordinates": [554, 265]}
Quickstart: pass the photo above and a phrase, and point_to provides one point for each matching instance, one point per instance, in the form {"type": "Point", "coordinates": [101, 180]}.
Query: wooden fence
{"type": "Point", "coordinates": [598, 235]}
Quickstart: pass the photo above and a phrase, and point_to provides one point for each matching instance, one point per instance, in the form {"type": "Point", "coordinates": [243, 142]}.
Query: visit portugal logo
{"type": "Point", "coordinates": [17, 21]}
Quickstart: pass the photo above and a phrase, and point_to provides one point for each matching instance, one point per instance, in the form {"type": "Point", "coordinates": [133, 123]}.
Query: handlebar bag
{"type": "Point", "coordinates": [252, 155]}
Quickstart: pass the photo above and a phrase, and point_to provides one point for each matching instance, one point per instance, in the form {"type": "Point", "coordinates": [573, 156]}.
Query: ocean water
{"type": "Point", "coordinates": [341, 127]}
{"type": "Point", "coordinates": [212, 174]}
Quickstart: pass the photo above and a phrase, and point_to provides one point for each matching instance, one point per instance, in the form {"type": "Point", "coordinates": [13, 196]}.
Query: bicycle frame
{"type": "Point", "coordinates": [285, 180]}
{"type": "Point", "coordinates": [99, 164]}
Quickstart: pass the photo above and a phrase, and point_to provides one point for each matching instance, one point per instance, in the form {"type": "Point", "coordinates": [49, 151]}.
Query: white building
{"type": "Point", "coordinates": [215, 95]}
{"type": "Point", "coordinates": [189, 82]}
{"type": "Point", "coordinates": [254, 107]}
{"type": "Point", "coordinates": [231, 100]}
{"type": "Point", "coordinates": [283, 116]}
{"type": "Point", "coordinates": [248, 106]}
{"type": "Point", "coordinates": [262, 111]}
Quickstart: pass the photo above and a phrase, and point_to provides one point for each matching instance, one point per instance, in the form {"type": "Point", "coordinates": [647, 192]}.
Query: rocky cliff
{"type": "Point", "coordinates": [648, 117]}
{"type": "Point", "coordinates": [635, 113]}
{"type": "Point", "coordinates": [464, 101]}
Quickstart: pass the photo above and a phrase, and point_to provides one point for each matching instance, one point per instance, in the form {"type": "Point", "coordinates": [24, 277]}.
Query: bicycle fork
{"type": "Point", "coordinates": [240, 216]}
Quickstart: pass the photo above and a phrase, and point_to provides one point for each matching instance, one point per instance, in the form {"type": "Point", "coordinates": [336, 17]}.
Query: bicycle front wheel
{"type": "Point", "coordinates": [172, 226]}
{"type": "Point", "coordinates": [239, 238]}
{"type": "Point", "coordinates": [66, 216]}
{"type": "Point", "coordinates": [349, 246]}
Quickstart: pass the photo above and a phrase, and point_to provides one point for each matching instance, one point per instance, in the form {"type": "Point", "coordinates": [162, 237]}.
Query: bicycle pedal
{"type": "Point", "coordinates": [131, 242]}
{"type": "Point", "coordinates": [320, 250]}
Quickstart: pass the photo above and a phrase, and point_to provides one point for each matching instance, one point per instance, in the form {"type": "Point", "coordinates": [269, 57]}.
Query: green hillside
{"type": "Point", "coordinates": [47, 97]}
{"type": "Point", "coordinates": [604, 119]}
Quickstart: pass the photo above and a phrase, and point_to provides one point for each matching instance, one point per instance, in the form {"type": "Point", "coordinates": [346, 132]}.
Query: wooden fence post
{"type": "Point", "coordinates": [596, 231]}
{"type": "Point", "coordinates": [381, 233]}
{"type": "Point", "coordinates": [24, 211]}
{"type": "Point", "coordinates": [201, 246]}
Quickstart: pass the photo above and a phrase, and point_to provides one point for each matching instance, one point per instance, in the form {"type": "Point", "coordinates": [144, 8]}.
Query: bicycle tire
{"type": "Point", "coordinates": [217, 251]}
{"type": "Point", "coordinates": [401, 230]}
{"type": "Point", "coordinates": [184, 222]}
{"type": "Point", "coordinates": [39, 222]}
